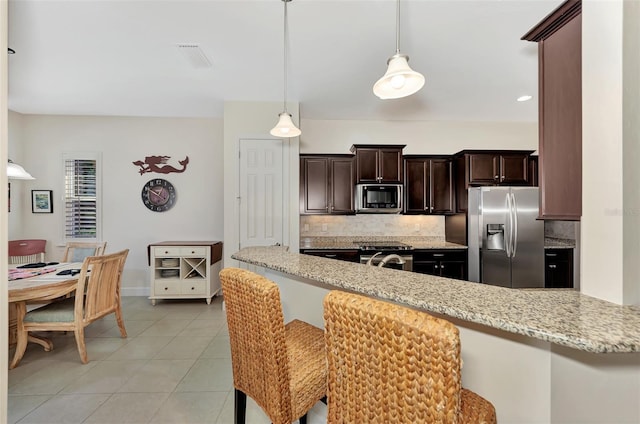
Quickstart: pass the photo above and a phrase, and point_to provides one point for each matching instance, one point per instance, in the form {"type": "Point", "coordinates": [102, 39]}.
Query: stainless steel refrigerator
{"type": "Point", "coordinates": [506, 241]}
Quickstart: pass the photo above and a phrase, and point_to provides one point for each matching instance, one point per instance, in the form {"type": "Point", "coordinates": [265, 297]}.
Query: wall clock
{"type": "Point", "coordinates": [158, 195]}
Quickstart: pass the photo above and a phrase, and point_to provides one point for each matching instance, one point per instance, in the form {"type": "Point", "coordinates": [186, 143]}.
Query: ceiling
{"type": "Point", "coordinates": [119, 57]}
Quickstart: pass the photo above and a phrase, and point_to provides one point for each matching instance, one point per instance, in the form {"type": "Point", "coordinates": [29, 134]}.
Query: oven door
{"type": "Point", "coordinates": [406, 266]}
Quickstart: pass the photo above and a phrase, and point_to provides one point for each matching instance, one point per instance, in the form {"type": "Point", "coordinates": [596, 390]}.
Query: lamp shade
{"type": "Point", "coordinates": [16, 172]}
{"type": "Point", "coordinates": [285, 127]}
{"type": "Point", "coordinates": [399, 80]}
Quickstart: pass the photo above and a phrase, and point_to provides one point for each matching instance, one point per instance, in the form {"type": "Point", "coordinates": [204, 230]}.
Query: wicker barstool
{"type": "Point", "coordinates": [391, 364]}
{"type": "Point", "coordinates": [281, 367]}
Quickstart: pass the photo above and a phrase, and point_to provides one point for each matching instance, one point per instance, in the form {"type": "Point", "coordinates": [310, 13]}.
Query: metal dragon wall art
{"type": "Point", "coordinates": [158, 164]}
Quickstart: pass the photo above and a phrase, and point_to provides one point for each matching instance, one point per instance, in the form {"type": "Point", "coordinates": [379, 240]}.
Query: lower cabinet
{"type": "Point", "coordinates": [184, 270]}
{"type": "Point", "coordinates": [450, 263]}
{"type": "Point", "coordinates": [349, 255]}
{"type": "Point", "coordinates": [558, 268]}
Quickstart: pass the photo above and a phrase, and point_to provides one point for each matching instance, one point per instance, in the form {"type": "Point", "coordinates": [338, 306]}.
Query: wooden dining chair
{"type": "Point", "coordinates": [99, 279]}
{"type": "Point", "coordinates": [281, 367]}
{"type": "Point", "coordinates": [75, 251]}
{"type": "Point", "coordinates": [26, 251]}
{"type": "Point", "coordinates": [392, 364]}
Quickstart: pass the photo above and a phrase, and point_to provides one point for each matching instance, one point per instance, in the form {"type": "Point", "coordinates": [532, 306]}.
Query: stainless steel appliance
{"type": "Point", "coordinates": [373, 252]}
{"type": "Point", "coordinates": [505, 239]}
{"type": "Point", "coordinates": [379, 198]}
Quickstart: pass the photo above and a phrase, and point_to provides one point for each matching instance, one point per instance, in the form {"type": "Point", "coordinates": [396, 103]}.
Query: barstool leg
{"type": "Point", "coordinates": [240, 406]}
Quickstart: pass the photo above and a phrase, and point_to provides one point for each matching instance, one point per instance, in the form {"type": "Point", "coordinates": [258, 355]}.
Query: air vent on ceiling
{"type": "Point", "coordinates": [194, 55]}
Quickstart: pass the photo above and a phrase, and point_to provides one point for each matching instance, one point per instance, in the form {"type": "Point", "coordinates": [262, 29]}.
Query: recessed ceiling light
{"type": "Point", "coordinates": [524, 98]}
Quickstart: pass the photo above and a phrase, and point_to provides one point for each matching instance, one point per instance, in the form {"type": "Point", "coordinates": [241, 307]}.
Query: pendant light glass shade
{"type": "Point", "coordinates": [16, 172]}
{"type": "Point", "coordinates": [285, 127]}
{"type": "Point", "coordinates": [399, 80]}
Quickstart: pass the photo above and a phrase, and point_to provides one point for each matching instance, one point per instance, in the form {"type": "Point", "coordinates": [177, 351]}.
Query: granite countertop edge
{"type": "Point", "coordinates": [560, 316]}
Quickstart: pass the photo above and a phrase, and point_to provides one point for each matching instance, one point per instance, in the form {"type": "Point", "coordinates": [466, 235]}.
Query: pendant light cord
{"type": "Point", "coordinates": [398, 27]}
{"type": "Point", "coordinates": [285, 54]}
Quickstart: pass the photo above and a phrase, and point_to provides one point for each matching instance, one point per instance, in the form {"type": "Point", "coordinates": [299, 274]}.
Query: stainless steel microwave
{"type": "Point", "coordinates": [379, 198]}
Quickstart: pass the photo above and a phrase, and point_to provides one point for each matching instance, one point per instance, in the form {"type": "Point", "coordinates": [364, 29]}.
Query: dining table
{"type": "Point", "coordinates": [38, 286]}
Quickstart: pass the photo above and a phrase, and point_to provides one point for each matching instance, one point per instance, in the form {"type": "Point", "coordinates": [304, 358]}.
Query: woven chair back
{"type": "Point", "coordinates": [100, 280]}
{"type": "Point", "coordinates": [257, 338]}
{"type": "Point", "coordinates": [26, 251]}
{"type": "Point", "coordinates": [389, 364]}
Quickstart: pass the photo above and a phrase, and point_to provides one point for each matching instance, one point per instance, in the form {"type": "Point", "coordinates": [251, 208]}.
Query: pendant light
{"type": "Point", "coordinates": [16, 172]}
{"type": "Point", "coordinates": [285, 126]}
{"type": "Point", "coordinates": [399, 80]}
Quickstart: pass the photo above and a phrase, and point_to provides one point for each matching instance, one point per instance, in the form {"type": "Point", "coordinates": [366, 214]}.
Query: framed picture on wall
{"type": "Point", "coordinates": [42, 201]}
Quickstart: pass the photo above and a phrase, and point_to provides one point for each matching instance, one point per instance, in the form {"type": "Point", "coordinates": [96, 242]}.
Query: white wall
{"type": "Point", "coordinates": [610, 226]}
{"type": "Point", "coordinates": [16, 154]}
{"type": "Point", "coordinates": [421, 137]}
{"type": "Point", "coordinates": [127, 223]}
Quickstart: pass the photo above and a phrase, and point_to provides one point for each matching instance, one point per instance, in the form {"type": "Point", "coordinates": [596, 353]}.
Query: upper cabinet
{"type": "Point", "coordinates": [429, 187]}
{"type": "Point", "coordinates": [378, 163]}
{"type": "Point", "coordinates": [559, 41]}
{"type": "Point", "coordinates": [489, 168]}
{"type": "Point", "coordinates": [326, 184]}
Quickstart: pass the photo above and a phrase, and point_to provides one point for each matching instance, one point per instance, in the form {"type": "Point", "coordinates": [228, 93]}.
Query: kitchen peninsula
{"type": "Point", "coordinates": [538, 355]}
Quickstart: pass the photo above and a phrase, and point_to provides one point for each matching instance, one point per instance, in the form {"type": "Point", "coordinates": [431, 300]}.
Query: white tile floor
{"type": "Point", "coordinates": [174, 367]}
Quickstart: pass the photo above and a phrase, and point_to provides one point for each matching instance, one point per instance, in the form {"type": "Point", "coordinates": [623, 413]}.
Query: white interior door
{"type": "Point", "coordinates": [262, 211]}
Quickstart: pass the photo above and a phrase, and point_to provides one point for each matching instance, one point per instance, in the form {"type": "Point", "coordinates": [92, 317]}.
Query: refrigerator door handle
{"type": "Point", "coordinates": [509, 235]}
{"type": "Point", "coordinates": [514, 211]}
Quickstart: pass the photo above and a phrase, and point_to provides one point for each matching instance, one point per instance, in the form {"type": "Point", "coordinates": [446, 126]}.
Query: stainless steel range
{"type": "Point", "coordinates": [392, 254]}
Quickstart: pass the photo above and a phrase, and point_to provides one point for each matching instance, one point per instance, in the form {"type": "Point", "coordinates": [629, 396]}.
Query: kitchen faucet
{"type": "Point", "coordinates": [391, 257]}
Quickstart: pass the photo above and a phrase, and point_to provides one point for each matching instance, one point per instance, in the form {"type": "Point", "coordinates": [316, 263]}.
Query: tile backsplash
{"type": "Point", "coordinates": [371, 225]}
{"type": "Point", "coordinates": [561, 229]}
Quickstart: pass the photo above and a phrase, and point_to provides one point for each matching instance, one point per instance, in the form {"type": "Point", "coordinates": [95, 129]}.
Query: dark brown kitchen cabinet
{"type": "Point", "coordinates": [475, 168]}
{"type": "Point", "coordinates": [349, 255]}
{"type": "Point", "coordinates": [558, 268]}
{"type": "Point", "coordinates": [429, 187]}
{"type": "Point", "coordinates": [326, 184]}
{"type": "Point", "coordinates": [533, 171]}
{"type": "Point", "coordinates": [450, 263]}
{"type": "Point", "coordinates": [378, 163]}
{"type": "Point", "coordinates": [498, 168]}
{"type": "Point", "coordinates": [559, 38]}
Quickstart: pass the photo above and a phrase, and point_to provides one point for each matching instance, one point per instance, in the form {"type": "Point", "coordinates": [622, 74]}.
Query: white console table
{"type": "Point", "coordinates": [184, 269]}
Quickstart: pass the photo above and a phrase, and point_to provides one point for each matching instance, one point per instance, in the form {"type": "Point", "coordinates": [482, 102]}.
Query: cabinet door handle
{"type": "Point", "coordinates": [502, 178]}
{"type": "Point", "coordinates": [435, 266]}
{"type": "Point", "coordinates": [330, 256]}
{"type": "Point", "coordinates": [551, 255]}
{"type": "Point", "coordinates": [552, 266]}
{"type": "Point", "coordinates": [438, 255]}
{"type": "Point", "coordinates": [441, 266]}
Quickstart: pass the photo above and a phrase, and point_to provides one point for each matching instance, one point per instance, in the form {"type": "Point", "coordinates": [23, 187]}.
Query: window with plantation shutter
{"type": "Point", "coordinates": [81, 197]}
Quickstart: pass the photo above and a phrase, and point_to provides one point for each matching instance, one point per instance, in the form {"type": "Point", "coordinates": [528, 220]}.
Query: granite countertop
{"type": "Point", "coordinates": [560, 316]}
{"type": "Point", "coordinates": [558, 243]}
